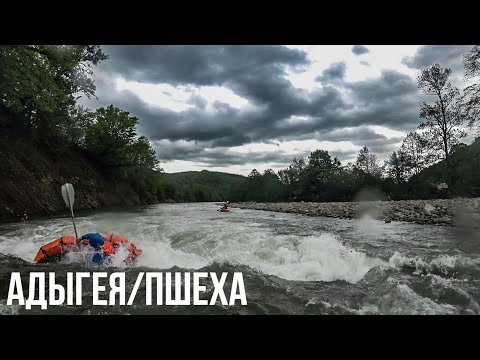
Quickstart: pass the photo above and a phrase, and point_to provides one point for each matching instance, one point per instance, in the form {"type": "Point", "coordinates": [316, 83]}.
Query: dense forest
{"type": "Point", "coordinates": [47, 139]}
{"type": "Point", "coordinates": [322, 178]}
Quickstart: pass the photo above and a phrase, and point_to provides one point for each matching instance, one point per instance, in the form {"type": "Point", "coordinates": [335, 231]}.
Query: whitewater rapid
{"type": "Point", "coordinates": [193, 242]}
{"type": "Point", "coordinates": [394, 258]}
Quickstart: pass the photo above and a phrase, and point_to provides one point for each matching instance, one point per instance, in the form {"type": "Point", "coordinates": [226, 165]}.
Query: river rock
{"type": "Point", "coordinates": [429, 209]}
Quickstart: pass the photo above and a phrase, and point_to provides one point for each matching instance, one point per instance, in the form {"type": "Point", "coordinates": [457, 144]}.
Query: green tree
{"type": "Point", "coordinates": [395, 167]}
{"type": "Point", "coordinates": [112, 138]}
{"type": "Point", "coordinates": [319, 176]}
{"type": "Point", "coordinates": [74, 127]}
{"type": "Point", "coordinates": [254, 174]}
{"type": "Point", "coordinates": [471, 98]}
{"type": "Point", "coordinates": [368, 163]}
{"type": "Point", "coordinates": [293, 178]}
{"type": "Point", "coordinates": [272, 187]}
{"type": "Point", "coordinates": [416, 154]}
{"type": "Point", "coordinates": [321, 159]}
{"type": "Point", "coordinates": [442, 119]}
{"type": "Point", "coordinates": [41, 83]}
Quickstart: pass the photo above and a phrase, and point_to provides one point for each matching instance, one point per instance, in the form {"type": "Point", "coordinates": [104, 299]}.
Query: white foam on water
{"type": "Point", "coordinates": [160, 254]}
{"type": "Point", "coordinates": [290, 257]}
{"type": "Point", "coordinates": [444, 263]}
{"type": "Point", "coordinates": [26, 238]}
{"type": "Point", "coordinates": [192, 240]}
{"type": "Point", "coordinates": [314, 258]}
{"type": "Point", "coordinates": [398, 260]}
{"type": "Point", "coordinates": [194, 243]}
{"type": "Point", "coordinates": [404, 301]}
{"type": "Point", "coordinates": [369, 225]}
{"type": "Point", "coordinates": [438, 281]}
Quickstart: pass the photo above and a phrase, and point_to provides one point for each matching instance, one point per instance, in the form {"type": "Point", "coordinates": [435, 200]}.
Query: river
{"type": "Point", "coordinates": [291, 264]}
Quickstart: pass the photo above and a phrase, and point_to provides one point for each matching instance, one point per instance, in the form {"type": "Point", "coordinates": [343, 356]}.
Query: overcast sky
{"type": "Point", "coordinates": [236, 108]}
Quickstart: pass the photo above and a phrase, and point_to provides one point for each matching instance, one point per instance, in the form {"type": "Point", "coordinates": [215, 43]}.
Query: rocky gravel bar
{"type": "Point", "coordinates": [446, 212]}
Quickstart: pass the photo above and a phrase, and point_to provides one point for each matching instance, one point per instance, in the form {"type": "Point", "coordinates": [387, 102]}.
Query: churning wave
{"type": "Point", "coordinates": [291, 264]}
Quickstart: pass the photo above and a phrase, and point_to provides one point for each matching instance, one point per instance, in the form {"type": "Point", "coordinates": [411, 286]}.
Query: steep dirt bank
{"type": "Point", "coordinates": [31, 178]}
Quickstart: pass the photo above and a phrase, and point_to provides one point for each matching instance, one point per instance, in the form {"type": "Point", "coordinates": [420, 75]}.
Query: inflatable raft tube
{"type": "Point", "coordinates": [54, 250]}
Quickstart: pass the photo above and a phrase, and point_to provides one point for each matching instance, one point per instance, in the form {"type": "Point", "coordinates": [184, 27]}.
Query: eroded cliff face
{"type": "Point", "coordinates": [31, 179]}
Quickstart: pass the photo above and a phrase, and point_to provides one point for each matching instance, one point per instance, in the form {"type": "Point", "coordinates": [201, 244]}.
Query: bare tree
{"type": "Point", "coordinates": [443, 118]}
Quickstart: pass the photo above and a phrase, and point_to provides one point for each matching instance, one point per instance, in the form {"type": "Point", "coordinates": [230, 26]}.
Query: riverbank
{"type": "Point", "coordinates": [62, 211]}
{"type": "Point", "coordinates": [446, 212]}
{"type": "Point", "coordinates": [32, 174]}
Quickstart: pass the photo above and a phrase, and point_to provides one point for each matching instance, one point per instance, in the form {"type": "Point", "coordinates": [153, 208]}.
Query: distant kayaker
{"type": "Point", "coordinates": [226, 204]}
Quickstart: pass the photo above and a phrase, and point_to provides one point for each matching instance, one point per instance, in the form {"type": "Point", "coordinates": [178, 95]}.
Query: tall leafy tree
{"type": "Point", "coordinates": [113, 139]}
{"type": "Point", "coordinates": [272, 186]}
{"type": "Point", "coordinates": [416, 154]}
{"type": "Point", "coordinates": [321, 167]}
{"type": "Point", "coordinates": [395, 166]}
{"type": "Point", "coordinates": [40, 83]}
{"type": "Point", "coordinates": [321, 173]}
{"type": "Point", "coordinates": [74, 127]}
{"type": "Point", "coordinates": [368, 163]}
{"type": "Point", "coordinates": [444, 117]}
{"type": "Point", "coordinates": [293, 177]}
{"type": "Point", "coordinates": [254, 175]}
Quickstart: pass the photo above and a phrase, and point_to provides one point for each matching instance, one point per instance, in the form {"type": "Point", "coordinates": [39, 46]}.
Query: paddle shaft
{"type": "Point", "coordinates": [70, 205]}
{"type": "Point", "coordinates": [74, 226]}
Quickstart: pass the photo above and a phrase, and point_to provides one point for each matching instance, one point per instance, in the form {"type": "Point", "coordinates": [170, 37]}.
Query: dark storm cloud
{"type": "Point", "coordinates": [167, 151]}
{"type": "Point", "coordinates": [200, 64]}
{"type": "Point", "coordinates": [227, 126]}
{"type": "Point", "coordinates": [401, 115]}
{"type": "Point", "coordinates": [253, 72]}
{"type": "Point", "coordinates": [219, 157]}
{"type": "Point", "coordinates": [235, 139]}
{"type": "Point", "coordinates": [449, 56]}
{"type": "Point", "coordinates": [373, 106]}
{"type": "Point", "coordinates": [361, 136]}
{"type": "Point", "coordinates": [336, 71]}
{"type": "Point", "coordinates": [392, 100]}
{"type": "Point", "coordinates": [379, 144]}
{"type": "Point", "coordinates": [193, 124]}
{"type": "Point", "coordinates": [384, 149]}
{"type": "Point", "coordinates": [390, 85]}
{"type": "Point", "coordinates": [278, 112]}
{"type": "Point", "coordinates": [359, 49]}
